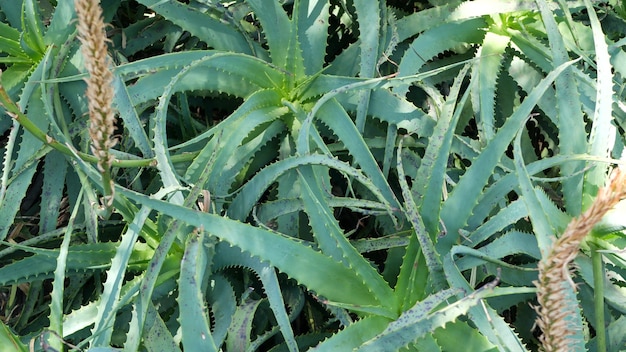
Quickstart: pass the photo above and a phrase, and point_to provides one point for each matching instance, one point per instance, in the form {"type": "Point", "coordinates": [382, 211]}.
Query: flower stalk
{"type": "Point", "coordinates": [555, 283]}
{"type": "Point", "coordinates": [92, 35]}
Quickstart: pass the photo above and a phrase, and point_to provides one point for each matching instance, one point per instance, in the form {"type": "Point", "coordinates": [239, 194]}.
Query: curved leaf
{"type": "Point", "coordinates": [212, 31]}
{"type": "Point", "coordinates": [279, 250]}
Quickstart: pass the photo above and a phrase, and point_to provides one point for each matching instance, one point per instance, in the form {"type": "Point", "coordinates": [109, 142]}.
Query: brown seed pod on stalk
{"type": "Point", "coordinates": [92, 35]}
{"type": "Point", "coordinates": [555, 283]}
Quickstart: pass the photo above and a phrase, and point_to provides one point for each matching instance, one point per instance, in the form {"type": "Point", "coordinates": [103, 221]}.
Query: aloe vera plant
{"type": "Point", "coordinates": [293, 175]}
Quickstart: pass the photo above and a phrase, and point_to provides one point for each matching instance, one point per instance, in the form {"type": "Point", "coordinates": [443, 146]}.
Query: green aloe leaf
{"type": "Point", "coordinates": [572, 135]}
{"type": "Point", "coordinates": [10, 341]}
{"type": "Point", "coordinates": [277, 249]}
{"type": "Point", "coordinates": [455, 211]}
{"type": "Point", "coordinates": [601, 131]}
{"type": "Point", "coordinates": [194, 323]}
{"type": "Point", "coordinates": [211, 30]}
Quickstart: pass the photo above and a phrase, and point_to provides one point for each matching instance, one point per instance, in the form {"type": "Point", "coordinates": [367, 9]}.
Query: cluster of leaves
{"type": "Point", "coordinates": [336, 175]}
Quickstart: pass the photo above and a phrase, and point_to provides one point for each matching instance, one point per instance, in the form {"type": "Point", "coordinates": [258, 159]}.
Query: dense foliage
{"type": "Point", "coordinates": [290, 175]}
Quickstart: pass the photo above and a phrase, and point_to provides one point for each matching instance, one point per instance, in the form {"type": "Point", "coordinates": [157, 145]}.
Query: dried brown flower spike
{"type": "Point", "coordinates": [555, 282]}
{"type": "Point", "coordinates": [92, 34]}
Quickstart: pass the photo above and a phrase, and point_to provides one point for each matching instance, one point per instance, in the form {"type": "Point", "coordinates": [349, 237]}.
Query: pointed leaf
{"type": "Point", "coordinates": [601, 131]}
{"type": "Point", "coordinates": [194, 322]}
{"type": "Point", "coordinates": [279, 250]}
{"type": "Point", "coordinates": [456, 211]}
{"type": "Point", "coordinates": [208, 29]}
{"type": "Point", "coordinates": [312, 27]}
{"type": "Point", "coordinates": [332, 240]}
